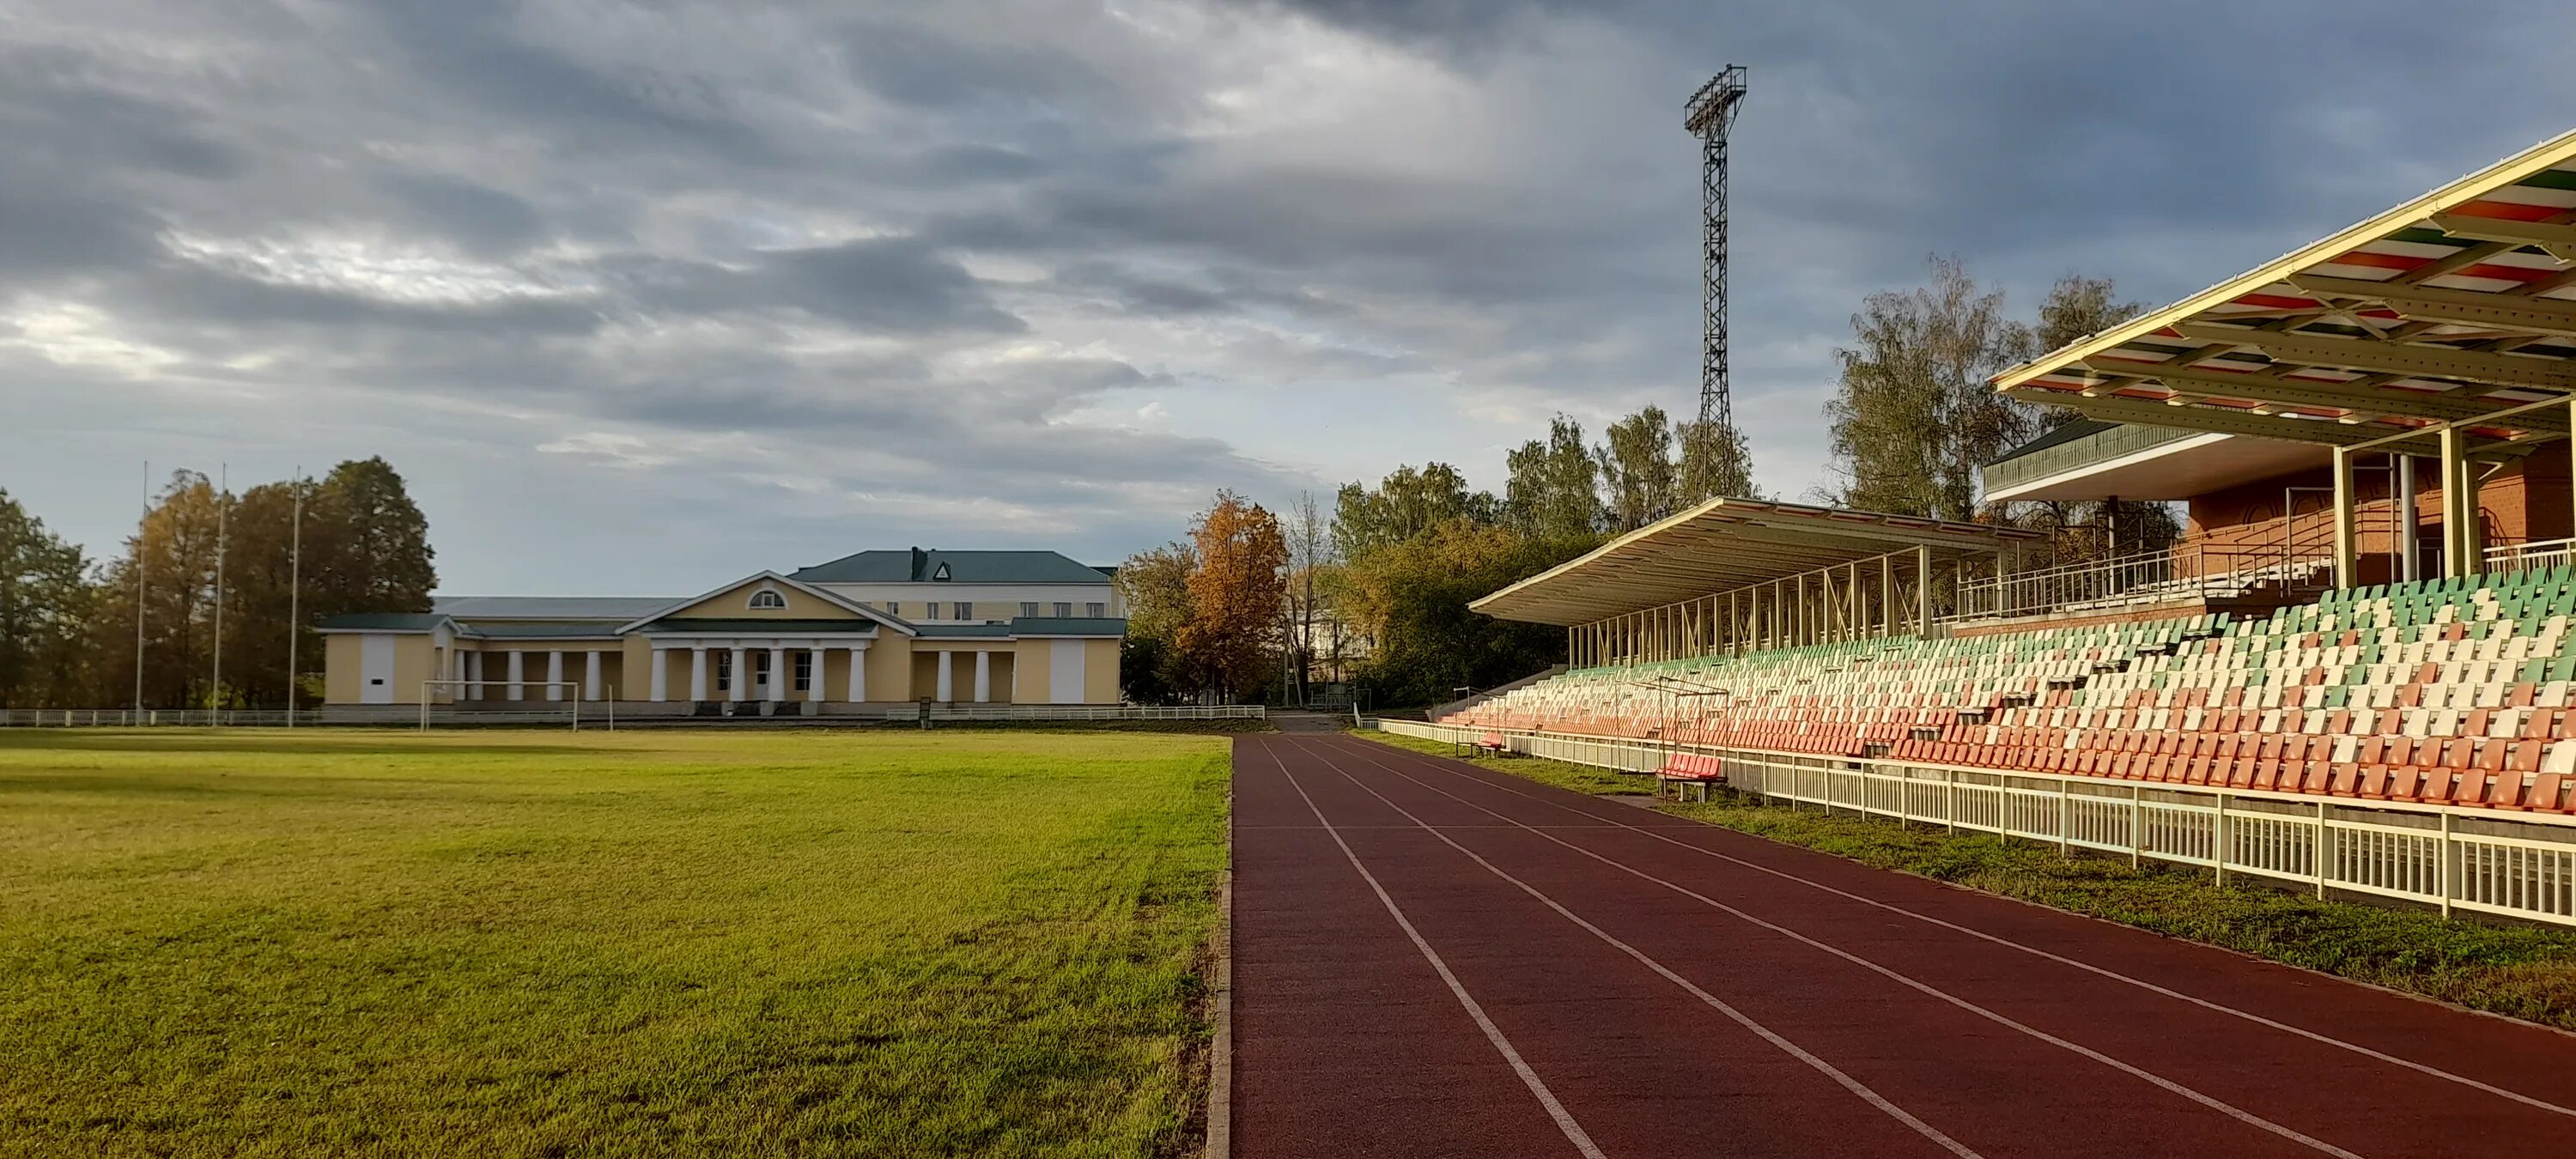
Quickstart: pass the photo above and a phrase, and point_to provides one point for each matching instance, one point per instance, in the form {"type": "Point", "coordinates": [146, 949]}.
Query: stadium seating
{"type": "Point", "coordinates": [2445, 691]}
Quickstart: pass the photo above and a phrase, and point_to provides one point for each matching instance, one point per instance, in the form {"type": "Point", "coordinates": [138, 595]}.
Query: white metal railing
{"type": "Point", "coordinates": [2449, 858]}
{"type": "Point", "coordinates": [152, 717]}
{"type": "Point", "coordinates": [2533, 556]}
{"type": "Point", "coordinates": [2185, 572]}
{"type": "Point", "coordinates": [556, 713]}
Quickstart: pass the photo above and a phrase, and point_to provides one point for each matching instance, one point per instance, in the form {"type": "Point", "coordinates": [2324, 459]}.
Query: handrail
{"type": "Point", "coordinates": [2533, 556]}
{"type": "Point", "coordinates": [2451, 857]}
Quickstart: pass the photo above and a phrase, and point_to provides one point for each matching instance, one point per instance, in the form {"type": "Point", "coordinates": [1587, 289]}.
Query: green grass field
{"type": "Point", "coordinates": [645, 943]}
{"type": "Point", "coordinates": [2517, 970]}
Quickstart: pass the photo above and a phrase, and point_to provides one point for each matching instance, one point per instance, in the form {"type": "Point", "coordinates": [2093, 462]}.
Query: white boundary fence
{"type": "Point", "coordinates": [551, 713]}
{"type": "Point", "coordinates": [153, 717]}
{"type": "Point", "coordinates": [2521, 866]}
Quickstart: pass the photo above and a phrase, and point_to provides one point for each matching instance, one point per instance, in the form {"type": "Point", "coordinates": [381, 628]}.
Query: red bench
{"type": "Point", "coordinates": [1683, 770]}
{"type": "Point", "coordinates": [1493, 742]}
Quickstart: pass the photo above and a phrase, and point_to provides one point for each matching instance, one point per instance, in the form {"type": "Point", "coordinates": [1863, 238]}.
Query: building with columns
{"type": "Point", "coordinates": [767, 644]}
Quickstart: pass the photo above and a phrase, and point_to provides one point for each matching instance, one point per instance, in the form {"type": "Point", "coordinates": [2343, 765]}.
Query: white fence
{"type": "Point", "coordinates": [2534, 556]}
{"type": "Point", "coordinates": [555, 714]}
{"type": "Point", "coordinates": [2523, 867]}
{"type": "Point", "coordinates": [153, 717]}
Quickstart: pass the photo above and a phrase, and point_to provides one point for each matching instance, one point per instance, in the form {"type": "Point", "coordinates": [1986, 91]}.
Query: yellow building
{"type": "Point", "coordinates": [768, 644]}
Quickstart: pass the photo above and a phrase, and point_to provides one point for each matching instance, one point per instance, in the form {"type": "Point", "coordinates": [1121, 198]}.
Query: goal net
{"type": "Point", "coordinates": [485, 702]}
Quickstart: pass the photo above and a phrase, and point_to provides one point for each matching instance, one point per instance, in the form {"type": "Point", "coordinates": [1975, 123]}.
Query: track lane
{"type": "Point", "coordinates": [1347, 1041]}
{"type": "Point", "coordinates": [2328, 1088]}
{"type": "Point", "coordinates": [1638, 1065]}
{"type": "Point", "coordinates": [1997, 1087]}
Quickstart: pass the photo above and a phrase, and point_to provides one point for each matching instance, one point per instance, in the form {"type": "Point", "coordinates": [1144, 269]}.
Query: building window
{"type": "Point", "coordinates": [965, 611]}
{"type": "Point", "coordinates": [1095, 611]}
{"type": "Point", "coordinates": [724, 670]}
{"type": "Point", "coordinates": [1064, 610]}
{"type": "Point", "coordinates": [759, 670]}
{"type": "Point", "coordinates": [804, 672]}
{"type": "Point", "coordinates": [930, 610]}
{"type": "Point", "coordinates": [1029, 608]}
{"type": "Point", "coordinates": [768, 598]}
{"type": "Point", "coordinates": [894, 608]}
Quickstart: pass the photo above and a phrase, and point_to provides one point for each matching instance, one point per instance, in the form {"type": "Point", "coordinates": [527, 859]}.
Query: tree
{"type": "Point", "coordinates": [1916, 419]}
{"type": "Point", "coordinates": [1637, 469]}
{"type": "Point", "coordinates": [376, 556]}
{"type": "Point", "coordinates": [1235, 595]}
{"type": "Point", "coordinates": [1155, 585]}
{"type": "Point", "coordinates": [1407, 503]}
{"type": "Point", "coordinates": [365, 549]}
{"type": "Point", "coordinates": [1715, 463]}
{"type": "Point", "coordinates": [2075, 308]}
{"type": "Point", "coordinates": [1555, 487]}
{"type": "Point", "coordinates": [47, 604]}
{"type": "Point", "coordinates": [1310, 547]}
{"type": "Point", "coordinates": [1412, 600]}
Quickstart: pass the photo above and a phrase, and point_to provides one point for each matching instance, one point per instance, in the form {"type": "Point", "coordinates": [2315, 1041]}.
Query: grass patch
{"type": "Point", "coordinates": [543, 943]}
{"type": "Point", "coordinates": [2526, 972]}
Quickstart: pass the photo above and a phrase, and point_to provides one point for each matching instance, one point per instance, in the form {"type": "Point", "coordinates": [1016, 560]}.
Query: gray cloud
{"type": "Point", "coordinates": [678, 288]}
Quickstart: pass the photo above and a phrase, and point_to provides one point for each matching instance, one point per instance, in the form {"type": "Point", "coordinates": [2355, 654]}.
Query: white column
{"type": "Point", "coordinates": [819, 658]}
{"type": "Point", "coordinates": [518, 673]}
{"type": "Point", "coordinates": [697, 673]}
{"type": "Point", "coordinates": [661, 675]}
{"type": "Point", "coordinates": [777, 674]}
{"type": "Point", "coordinates": [983, 676]}
{"type": "Point", "coordinates": [554, 673]}
{"type": "Point", "coordinates": [947, 687]}
{"type": "Point", "coordinates": [741, 673]}
{"type": "Point", "coordinates": [858, 674]}
{"type": "Point", "coordinates": [593, 681]}
{"type": "Point", "coordinates": [474, 673]}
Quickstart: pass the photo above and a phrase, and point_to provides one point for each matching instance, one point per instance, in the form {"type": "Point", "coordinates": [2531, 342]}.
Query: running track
{"type": "Point", "coordinates": [1431, 959]}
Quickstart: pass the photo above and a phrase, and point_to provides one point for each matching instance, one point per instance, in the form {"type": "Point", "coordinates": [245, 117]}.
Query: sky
{"type": "Point", "coordinates": [643, 297]}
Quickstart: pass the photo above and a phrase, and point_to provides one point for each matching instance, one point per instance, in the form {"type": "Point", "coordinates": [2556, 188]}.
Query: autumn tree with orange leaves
{"type": "Point", "coordinates": [1229, 644]}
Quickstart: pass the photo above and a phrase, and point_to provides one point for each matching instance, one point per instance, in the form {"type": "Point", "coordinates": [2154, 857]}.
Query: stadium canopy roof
{"type": "Point", "coordinates": [2454, 306]}
{"type": "Point", "coordinates": [1722, 545]}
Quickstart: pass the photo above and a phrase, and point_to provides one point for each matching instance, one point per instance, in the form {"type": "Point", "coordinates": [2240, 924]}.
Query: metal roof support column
{"type": "Point", "coordinates": [2455, 513]}
{"type": "Point", "coordinates": [1887, 595]}
{"type": "Point", "coordinates": [1922, 591]}
{"type": "Point", "coordinates": [2346, 564]}
{"type": "Point", "coordinates": [2410, 534]}
{"type": "Point", "coordinates": [1855, 620]}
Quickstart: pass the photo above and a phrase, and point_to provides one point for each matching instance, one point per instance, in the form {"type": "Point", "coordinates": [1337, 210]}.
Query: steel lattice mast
{"type": "Point", "coordinates": [1710, 113]}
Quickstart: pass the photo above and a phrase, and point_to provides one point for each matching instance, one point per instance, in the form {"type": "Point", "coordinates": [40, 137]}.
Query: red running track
{"type": "Point", "coordinates": [1432, 959]}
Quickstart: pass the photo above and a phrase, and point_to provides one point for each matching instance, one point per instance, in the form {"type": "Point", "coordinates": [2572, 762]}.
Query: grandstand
{"type": "Point", "coordinates": [2372, 694]}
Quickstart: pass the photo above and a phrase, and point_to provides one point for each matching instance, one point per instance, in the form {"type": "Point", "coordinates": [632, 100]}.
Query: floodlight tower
{"type": "Point", "coordinates": [1710, 113]}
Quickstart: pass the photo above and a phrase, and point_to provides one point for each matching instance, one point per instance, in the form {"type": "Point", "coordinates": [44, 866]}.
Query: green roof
{"type": "Point", "coordinates": [756, 627]}
{"type": "Point", "coordinates": [516, 630]}
{"type": "Point", "coordinates": [1068, 626]}
{"type": "Point", "coordinates": [2065, 432]}
{"type": "Point", "coordinates": [965, 567]}
{"type": "Point", "coordinates": [384, 622]}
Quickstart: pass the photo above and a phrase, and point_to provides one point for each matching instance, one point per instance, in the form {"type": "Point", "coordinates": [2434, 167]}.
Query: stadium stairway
{"type": "Point", "coordinates": [2453, 692]}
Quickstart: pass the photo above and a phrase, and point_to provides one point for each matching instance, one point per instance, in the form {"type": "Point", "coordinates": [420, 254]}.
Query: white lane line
{"type": "Point", "coordinates": [1740, 1018]}
{"type": "Point", "coordinates": [2087, 967]}
{"type": "Point", "coordinates": [2238, 1113]}
{"type": "Point", "coordinates": [1574, 1132]}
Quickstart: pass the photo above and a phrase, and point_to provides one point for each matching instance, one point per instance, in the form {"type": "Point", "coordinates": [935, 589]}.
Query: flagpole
{"type": "Point", "coordinates": [294, 590]}
{"type": "Point", "coordinates": [215, 707]}
{"type": "Point", "coordinates": [142, 533]}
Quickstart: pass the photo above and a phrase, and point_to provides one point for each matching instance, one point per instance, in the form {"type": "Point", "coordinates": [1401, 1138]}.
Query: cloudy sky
{"type": "Point", "coordinates": [642, 296]}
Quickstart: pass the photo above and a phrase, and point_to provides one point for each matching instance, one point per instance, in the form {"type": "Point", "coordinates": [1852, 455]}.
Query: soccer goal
{"type": "Point", "coordinates": [532, 707]}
